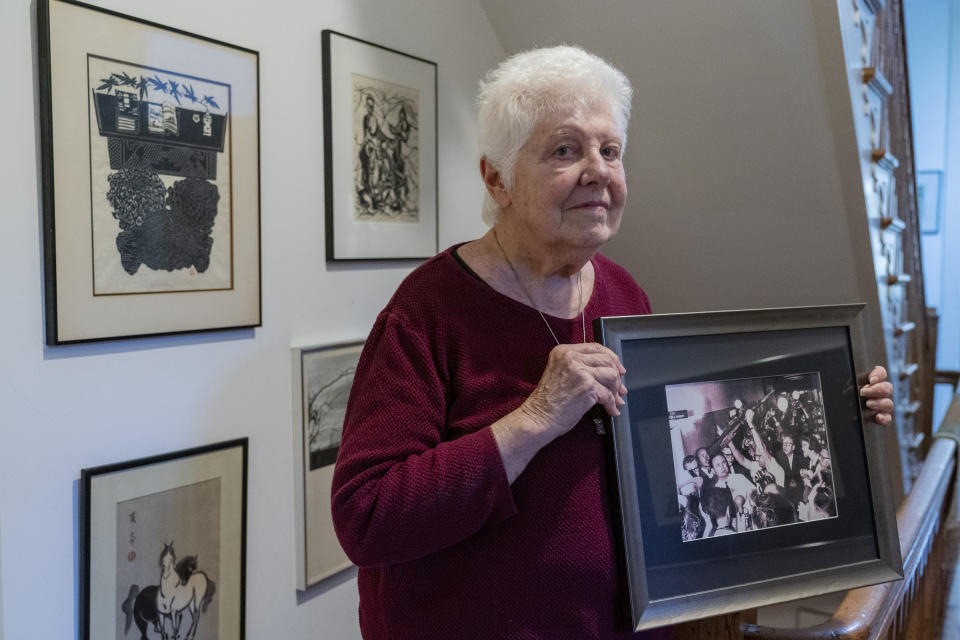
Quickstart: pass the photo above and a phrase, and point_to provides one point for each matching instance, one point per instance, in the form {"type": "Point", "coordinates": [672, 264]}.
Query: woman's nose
{"type": "Point", "coordinates": [595, 169]}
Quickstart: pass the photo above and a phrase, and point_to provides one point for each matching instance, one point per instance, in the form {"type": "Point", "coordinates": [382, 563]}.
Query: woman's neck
{"type": "Point", "coordinates": [558, 285]}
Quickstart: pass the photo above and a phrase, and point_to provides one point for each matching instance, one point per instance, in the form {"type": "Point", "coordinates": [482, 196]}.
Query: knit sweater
{"type": "Point", "coordinates": [446, 547]}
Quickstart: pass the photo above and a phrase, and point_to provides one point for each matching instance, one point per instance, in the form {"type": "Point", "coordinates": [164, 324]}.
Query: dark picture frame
{"type": "Point", "coordinates": [322, 376]}
{"type": "Point", "coordinates": [134, 512]}
{"type": "Point", "coordinates": [699, 381]}
{"type": "Point", "coordinates": [380, 151]}
{"type": "Point", "coordinates": [150, 158]}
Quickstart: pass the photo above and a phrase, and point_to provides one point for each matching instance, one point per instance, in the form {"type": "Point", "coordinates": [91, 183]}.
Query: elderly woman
{"type": "Point", "coordinates": [471, 485]}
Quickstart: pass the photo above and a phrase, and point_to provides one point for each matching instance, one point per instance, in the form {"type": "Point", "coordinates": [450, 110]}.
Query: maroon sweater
{"type": "Point", "coordinates": [446, 547]}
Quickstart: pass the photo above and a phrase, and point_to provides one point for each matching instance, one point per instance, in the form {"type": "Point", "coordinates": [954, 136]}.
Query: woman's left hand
{"type": "Point", "coordinates": [879, 396]}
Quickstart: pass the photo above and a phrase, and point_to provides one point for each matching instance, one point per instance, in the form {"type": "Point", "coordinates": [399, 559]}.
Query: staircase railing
{"type": "Point", "coordinates": [914, 607]}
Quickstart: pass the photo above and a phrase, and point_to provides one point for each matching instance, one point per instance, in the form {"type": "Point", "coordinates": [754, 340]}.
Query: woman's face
{"type": "Point", "coordinates": [569, 187]}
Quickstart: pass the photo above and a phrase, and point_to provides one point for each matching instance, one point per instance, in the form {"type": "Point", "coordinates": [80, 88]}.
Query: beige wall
{"type": "Point", "coordinates": [739, 161]}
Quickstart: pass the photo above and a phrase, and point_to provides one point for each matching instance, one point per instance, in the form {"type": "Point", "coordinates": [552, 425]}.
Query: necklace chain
{"type": "Point", "coordinates": [583, 323]}
{"type": "Point", "coordinates": [596, 415]}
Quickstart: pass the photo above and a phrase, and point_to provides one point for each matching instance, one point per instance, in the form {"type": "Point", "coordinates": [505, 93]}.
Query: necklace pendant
{"type": "Point", "coordinates": [597, 419]}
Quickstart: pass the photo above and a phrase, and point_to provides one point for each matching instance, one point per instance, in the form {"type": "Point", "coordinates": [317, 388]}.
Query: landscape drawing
{"type": "Point", "coordinates": [327, 379]}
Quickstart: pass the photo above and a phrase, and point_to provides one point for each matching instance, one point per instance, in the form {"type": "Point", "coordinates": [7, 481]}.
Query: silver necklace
{"type": "Point", "coordinates": [516, 276]}
{"type": "Point", "coordinates": [596, 414]}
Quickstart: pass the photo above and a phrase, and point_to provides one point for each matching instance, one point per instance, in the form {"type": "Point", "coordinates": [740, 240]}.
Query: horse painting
{"type": "Point", "coordinates": [182, 588]}
{"type": "Point", "coordinates": [141, 607]}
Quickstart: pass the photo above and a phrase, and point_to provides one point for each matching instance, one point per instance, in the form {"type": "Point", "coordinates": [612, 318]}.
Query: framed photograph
{"type": "Point", "coordinates": [151, 177]}
{"type": "Point", "coordinates": [928, 200]}
{"type": "Point", "coordinates": [322, 378]}
{"type": "Point", "coordinates": [162, 545]}
{"type": "Point", "coordinates": [746, 472]}
{"type": "Point", "coordinates": [380, 151]}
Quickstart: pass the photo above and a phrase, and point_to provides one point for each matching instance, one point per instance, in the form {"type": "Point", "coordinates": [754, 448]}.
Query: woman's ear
{"type": "Point", "coordinates": [494, 183]}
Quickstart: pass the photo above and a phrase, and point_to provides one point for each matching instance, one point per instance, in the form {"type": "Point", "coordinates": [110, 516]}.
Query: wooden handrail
{"type": "Point", "coordinates": [869, 612]}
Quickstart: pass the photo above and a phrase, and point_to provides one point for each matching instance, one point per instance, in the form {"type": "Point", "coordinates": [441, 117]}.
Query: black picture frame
{"type": "Point", "coordinates": [134, 512]}
{"type": "Point", "coordinates": [149, 139]}
{"type": "Point", "coordinates": [683, 373]}
{"type": "Point", "coordinates": [380, 151]}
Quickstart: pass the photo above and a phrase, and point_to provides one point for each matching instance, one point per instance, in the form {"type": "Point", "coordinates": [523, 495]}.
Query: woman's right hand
{"type": "Point", "coordinates": [577, 377]}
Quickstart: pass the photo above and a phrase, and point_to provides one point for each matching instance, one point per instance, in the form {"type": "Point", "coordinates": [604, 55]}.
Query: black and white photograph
{"type": "Point", "coordinates": [150, 156]}
{"type": "Point", "coordinates": [750, 454]}
{"type": "Point", "coordinates": [386, 150]}
{"type": "Point", "coordinates": [322, 376]}
{"type": "Point", "coordinates": [380, 151]}
{"type": "Point", "coordinates": [162, 546]}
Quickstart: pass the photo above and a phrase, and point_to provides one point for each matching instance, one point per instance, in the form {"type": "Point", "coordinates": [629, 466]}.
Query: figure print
{"type": "Point", "coordinates": [386, 151]}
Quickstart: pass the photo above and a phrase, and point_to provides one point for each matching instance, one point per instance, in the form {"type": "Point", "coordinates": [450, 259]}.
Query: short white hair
{"type": "Point", "coordinates": [525, 87]}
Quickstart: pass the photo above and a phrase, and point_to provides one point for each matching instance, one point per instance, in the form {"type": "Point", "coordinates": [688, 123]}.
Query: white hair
{"type": "Point", "coordinates": [527, 86]}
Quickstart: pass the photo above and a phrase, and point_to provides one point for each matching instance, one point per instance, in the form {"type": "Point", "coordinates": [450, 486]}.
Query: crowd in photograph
{"type": "Point", "coordinates": [768, 466]}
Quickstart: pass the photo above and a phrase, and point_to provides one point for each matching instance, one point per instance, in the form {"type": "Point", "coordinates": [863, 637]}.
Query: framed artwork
{"type": "Point", "coordinates": [928, 200]}
{"type": "Point", "coordinates": [151, 172]}
{"type": "Point", "coordinates": [747, 471]}
{"type": "Point", "coordinates": [322, 378]}
{"type": "Point", "coordinates": [162, 545]}
{"type": "Point", "coordinates": [380, 151]}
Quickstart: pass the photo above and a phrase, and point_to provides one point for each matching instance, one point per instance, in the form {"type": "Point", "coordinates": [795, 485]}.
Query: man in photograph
{"type": "Point", "coordinates": [706, 470]}
{"type": "Point", "coordinates": [690, 482]}
{"type": "Point", "coordinates": [738, 485]}
{"type": "Point", "coordinates": [719, 509]}
{"type": "Point", "coordinates": [756, 459]}
{"type": "Point", "coordinates": [792, 462]}
{"type": "Point", "coordinates": [735, 467]}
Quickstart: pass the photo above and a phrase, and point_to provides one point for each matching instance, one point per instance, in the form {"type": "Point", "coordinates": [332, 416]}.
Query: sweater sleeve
{"type": "Point", "coordinates": [400, 489]}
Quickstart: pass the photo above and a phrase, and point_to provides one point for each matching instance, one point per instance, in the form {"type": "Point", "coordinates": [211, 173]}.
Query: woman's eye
{"type": "Point", "coordinates": [611, 153]}
{"type": "Point", "coordinates": [562, 151]}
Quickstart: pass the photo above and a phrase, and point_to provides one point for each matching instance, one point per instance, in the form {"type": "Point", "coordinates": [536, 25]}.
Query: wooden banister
{"type": "Point", "coordinates": [873, 612]}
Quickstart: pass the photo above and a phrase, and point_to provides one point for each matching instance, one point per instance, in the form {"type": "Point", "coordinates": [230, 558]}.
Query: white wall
{"type": "Point", "coordinates": [66, 408]}
{"type": "Point", "coordinates": [933, 58]}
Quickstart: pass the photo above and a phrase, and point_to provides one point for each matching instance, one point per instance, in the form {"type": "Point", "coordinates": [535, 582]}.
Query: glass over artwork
{"type": "Point", "coordinates": [747, 471]}
{"type": "Point", "coordinates": [168, 563]}
{"type": "Point", "coordinates": [159, 178]}
{"type": "Point", "coordinates": [322, 378]}
{"type": "Point", "coordinates": [386, 150]}
{"type": "Point", "coordinates": [162, 546]}
{"type": "Point", "coordinates": [150, 157]}
{"type": "Point", "coordinates": [327, 378]}
{"type": "Point", "coordinates": [380, 151]}
{"type": "Point", "coordinates": [750, 454]}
